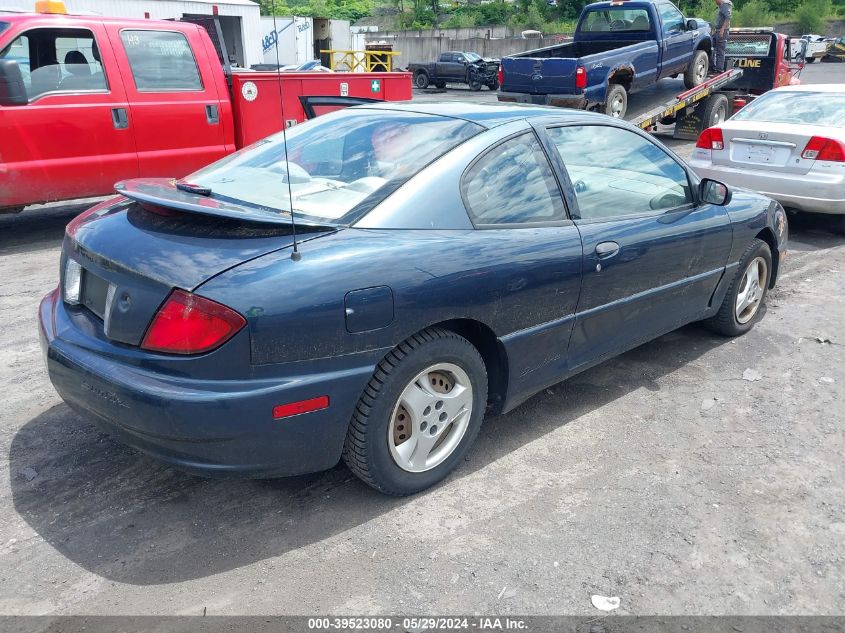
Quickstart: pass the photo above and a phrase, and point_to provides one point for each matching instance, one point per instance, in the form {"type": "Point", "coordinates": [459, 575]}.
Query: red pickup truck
{"type": "Point", "coordinates": [86, 101]}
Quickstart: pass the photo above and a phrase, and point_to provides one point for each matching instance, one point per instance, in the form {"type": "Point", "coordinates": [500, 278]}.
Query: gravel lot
{"type": "Point", "coordinates": [664, 477]}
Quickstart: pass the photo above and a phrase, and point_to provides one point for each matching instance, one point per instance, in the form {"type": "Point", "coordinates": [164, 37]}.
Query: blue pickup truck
{"type": "Point", "coordinates": [619, 47]}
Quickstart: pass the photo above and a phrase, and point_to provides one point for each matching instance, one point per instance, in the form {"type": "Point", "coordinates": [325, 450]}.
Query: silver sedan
{"type": "Point", "coordinates": [788, 144]}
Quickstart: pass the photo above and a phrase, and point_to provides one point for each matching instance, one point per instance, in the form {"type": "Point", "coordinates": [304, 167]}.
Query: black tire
{"type": "Point", "coordinates": [725, 321]}
{"type": "Point", "coordinates": [693, 74]}
{"type": "Point", "coordinates": [366, 449]}
{"type": "Point", "coordinates": [493, 85]}
{"type": "Point", "coordinates": [616, 104]}
{"type": "Point", "coordinates": [440, 84]}
{"type": "Point", "coordinates": [474, 84]}
{"type": "Point", "coordinates": [839, 224]}
{"type": "Point", "coordinates": [716, 110]}
{"type": "Point", "coordinates": [421, 79]}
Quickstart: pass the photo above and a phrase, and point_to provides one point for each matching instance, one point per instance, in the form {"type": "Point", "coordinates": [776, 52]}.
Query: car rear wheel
{"type": "Point", "coordinates": [419, 414]}
{"type": "Point", "coordinates": [741, 307]}
{"type": "Point", "coordinates": [716, 110]}
{"type": "Point", "coordinates": [696, 72]}
{"type": "Point", "coordinates": [616, 104]}
{"type": "Point", "coordinates": [421, 79]}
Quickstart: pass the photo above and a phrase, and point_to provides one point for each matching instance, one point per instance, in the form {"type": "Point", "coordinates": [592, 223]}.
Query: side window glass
{"type": "Point", "coordinates": [616, 172]}
{"type": "Point", "coordinates": [161, 61]}
{"type": "Point", "coordinates": [57, 60]}
{"type": "Point", "coordinates": [513, 183]}
{"type": "Point", "coordinates": [673, 20]}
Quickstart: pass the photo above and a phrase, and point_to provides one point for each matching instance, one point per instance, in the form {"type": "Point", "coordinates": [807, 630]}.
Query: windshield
{"type": "Point", "coordinates": [472, 57]}
{"type": "Point", "coordinates": [337, 162]}
{"type": "Point", "coordinates": [803, 108]}
{"type": "Point", "coordinates": [635, 20]}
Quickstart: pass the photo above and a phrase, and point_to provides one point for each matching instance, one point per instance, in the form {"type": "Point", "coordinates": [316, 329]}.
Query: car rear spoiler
{"type": "Point", "coordinates": [161, 193]}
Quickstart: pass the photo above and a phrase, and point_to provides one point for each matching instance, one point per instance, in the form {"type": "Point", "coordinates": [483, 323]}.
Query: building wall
{"type": "Point", "coordinates": [295, 37]}
{"type": "Point", "coordinates": [251, 32]}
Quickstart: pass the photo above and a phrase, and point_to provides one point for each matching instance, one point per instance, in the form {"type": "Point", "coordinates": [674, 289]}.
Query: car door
{"type": "Point", "coordinates": [677, 41]}
{"type": "Point", "coordinates": [71, 140]}
{"type": "Point", "coordinates": [173, 98]}
{"type": "Point", "coordinates": [653, 254]}
{"type": "Point", "coordinates": [514, 202]}
{"type": "Point", "coordinates": [457, 69]}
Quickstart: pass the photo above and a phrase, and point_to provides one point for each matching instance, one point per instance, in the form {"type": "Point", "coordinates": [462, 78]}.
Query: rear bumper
{"type": "Point", "coordinates": [813, 192]}
{"type": "Point", "coordinates": [578, 102]}
{"type": "Point", "coordinates": [216, 428]}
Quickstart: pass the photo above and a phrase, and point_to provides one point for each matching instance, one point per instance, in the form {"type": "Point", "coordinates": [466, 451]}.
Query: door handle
{"type": "Point", "coordinates": [606, 249]}
{"type": "Point", "coordinates": [119, 118]}
{"type": "Point", "coordinates": [212, 115]}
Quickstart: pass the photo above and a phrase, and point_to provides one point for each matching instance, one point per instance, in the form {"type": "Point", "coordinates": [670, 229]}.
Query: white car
{"type": "Point", "coordinates": [788, 144]}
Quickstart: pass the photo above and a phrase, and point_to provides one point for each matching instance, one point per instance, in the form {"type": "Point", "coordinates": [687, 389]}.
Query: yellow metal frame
{"type": "Point", "coordinates": [361, 61]}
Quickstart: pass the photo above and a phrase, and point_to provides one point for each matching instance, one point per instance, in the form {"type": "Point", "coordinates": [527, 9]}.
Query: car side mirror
{"type": "Point", "coordinates": [692, 24]}
{"type": "Point", "coordinates": [714, 192]}
{"type": "Point", "coordinates": [12, 88]}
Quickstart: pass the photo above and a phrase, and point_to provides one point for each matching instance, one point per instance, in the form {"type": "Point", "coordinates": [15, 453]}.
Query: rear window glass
{"type": "Point", "coordinates": [338, 163]}
{"type": "Point", "coordinates": [631, 20]}
{"type": "Point", "coordinates": [803, 108]}
{"type": "Point", "coordinates": [161, 61]}
{"type": "Point", "coordinates": [748, 44]}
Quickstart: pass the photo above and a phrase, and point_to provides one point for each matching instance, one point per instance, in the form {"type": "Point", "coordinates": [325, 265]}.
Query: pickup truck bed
{"type": "Point", "coordinates": [618, 48]}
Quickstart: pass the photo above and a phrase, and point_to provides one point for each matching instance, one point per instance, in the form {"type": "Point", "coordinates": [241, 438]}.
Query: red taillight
{"type": "Point", "coordinates": [580, 77]}
{"type": "Point", "coordinates": [189, 324]}
{"type": "Point", "coordinates": [501, 75]}
{"type": "Point", "coordinates": [739, 103]}
{"type": "Point", "coordinates": [821, 148]}
{"type": "Point", "coordinates": [303, 406]}
{"type": "Point", "coordinates": [711, 138]}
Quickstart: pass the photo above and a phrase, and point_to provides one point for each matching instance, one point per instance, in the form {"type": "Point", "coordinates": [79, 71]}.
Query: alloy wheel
{"type": "Point", "coordinates": [430, 417]}
{"type": "Point", "coordinates": [751, 290]}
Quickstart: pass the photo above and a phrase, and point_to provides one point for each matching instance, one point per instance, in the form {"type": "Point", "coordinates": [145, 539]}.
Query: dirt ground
{"type": "Point", "coordinates": [693, 475]}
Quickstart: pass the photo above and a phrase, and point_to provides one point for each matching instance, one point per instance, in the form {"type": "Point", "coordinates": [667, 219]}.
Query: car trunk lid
{"type": "Point", "coordinates": [752, 144]}
{"type": "Point", "coordinates": [133, 254]}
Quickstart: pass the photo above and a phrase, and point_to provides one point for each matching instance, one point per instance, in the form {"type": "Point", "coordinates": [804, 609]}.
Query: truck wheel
{"type": "Point", "coordinates": [440, 84]}
{"type": "Point", "coordinates": [696, 72]}
{"type": "Point", "coordinates": [616, 104]}
{"type": "Point", "coordinates": [716, 110]}
{"type": "Point", "coordinates": [419, 414]}
{"type": "Point", "coordinates": [474, 84]}
{"type": "Point", "coordinates": [421, 80]}
{"type": "Point", "coordinates": [740, 308]}
{"type": "Point", "coordinates": [493, 85]}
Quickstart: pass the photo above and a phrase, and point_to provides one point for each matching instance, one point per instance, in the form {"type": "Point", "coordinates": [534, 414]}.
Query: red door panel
{"type": "Point", "coordinates": [178, 117]}
{"type": "Point", "coordinates": [64, 144]}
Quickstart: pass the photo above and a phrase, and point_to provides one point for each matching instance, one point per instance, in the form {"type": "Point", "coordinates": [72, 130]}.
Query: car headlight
{"type": "Point", "coordinates": [73, 282]}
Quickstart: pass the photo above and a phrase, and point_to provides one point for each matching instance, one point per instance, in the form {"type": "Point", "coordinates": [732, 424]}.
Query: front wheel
{"type": "Point", "coordinates": [493, 85]}
{"type": "Point", "coordinates": [419, 414]}
{"type": "Point", "coordinates": [740, 308]}
{"type": "Point", "coordinates": [696, 72]}
{"type": "Point", "coordinates": [616, 104]}
{"type": "Point", "coordinates": [474, 83]}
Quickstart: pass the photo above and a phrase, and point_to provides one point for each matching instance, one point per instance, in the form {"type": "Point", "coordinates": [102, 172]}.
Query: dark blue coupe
{"type": "Point", "coordinates": [446, 260]}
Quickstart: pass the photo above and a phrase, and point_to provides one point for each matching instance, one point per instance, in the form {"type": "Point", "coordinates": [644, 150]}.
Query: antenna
{"type": "Point", "coordinates": [295, 255]}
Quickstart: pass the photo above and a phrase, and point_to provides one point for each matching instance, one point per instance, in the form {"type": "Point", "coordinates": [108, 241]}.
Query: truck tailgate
{"type": "Point", "coordinates": [534, 75]}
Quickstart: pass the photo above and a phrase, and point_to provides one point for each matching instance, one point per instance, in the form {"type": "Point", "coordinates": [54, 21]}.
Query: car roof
{"type": "Point", "coordinates": [831, 88]}
{"type": "Point", "coordinates": [489, 115]}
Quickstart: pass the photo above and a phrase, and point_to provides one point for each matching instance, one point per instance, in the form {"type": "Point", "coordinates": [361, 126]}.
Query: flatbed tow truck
{"type": "Point", "coordinates": [759, 60]}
